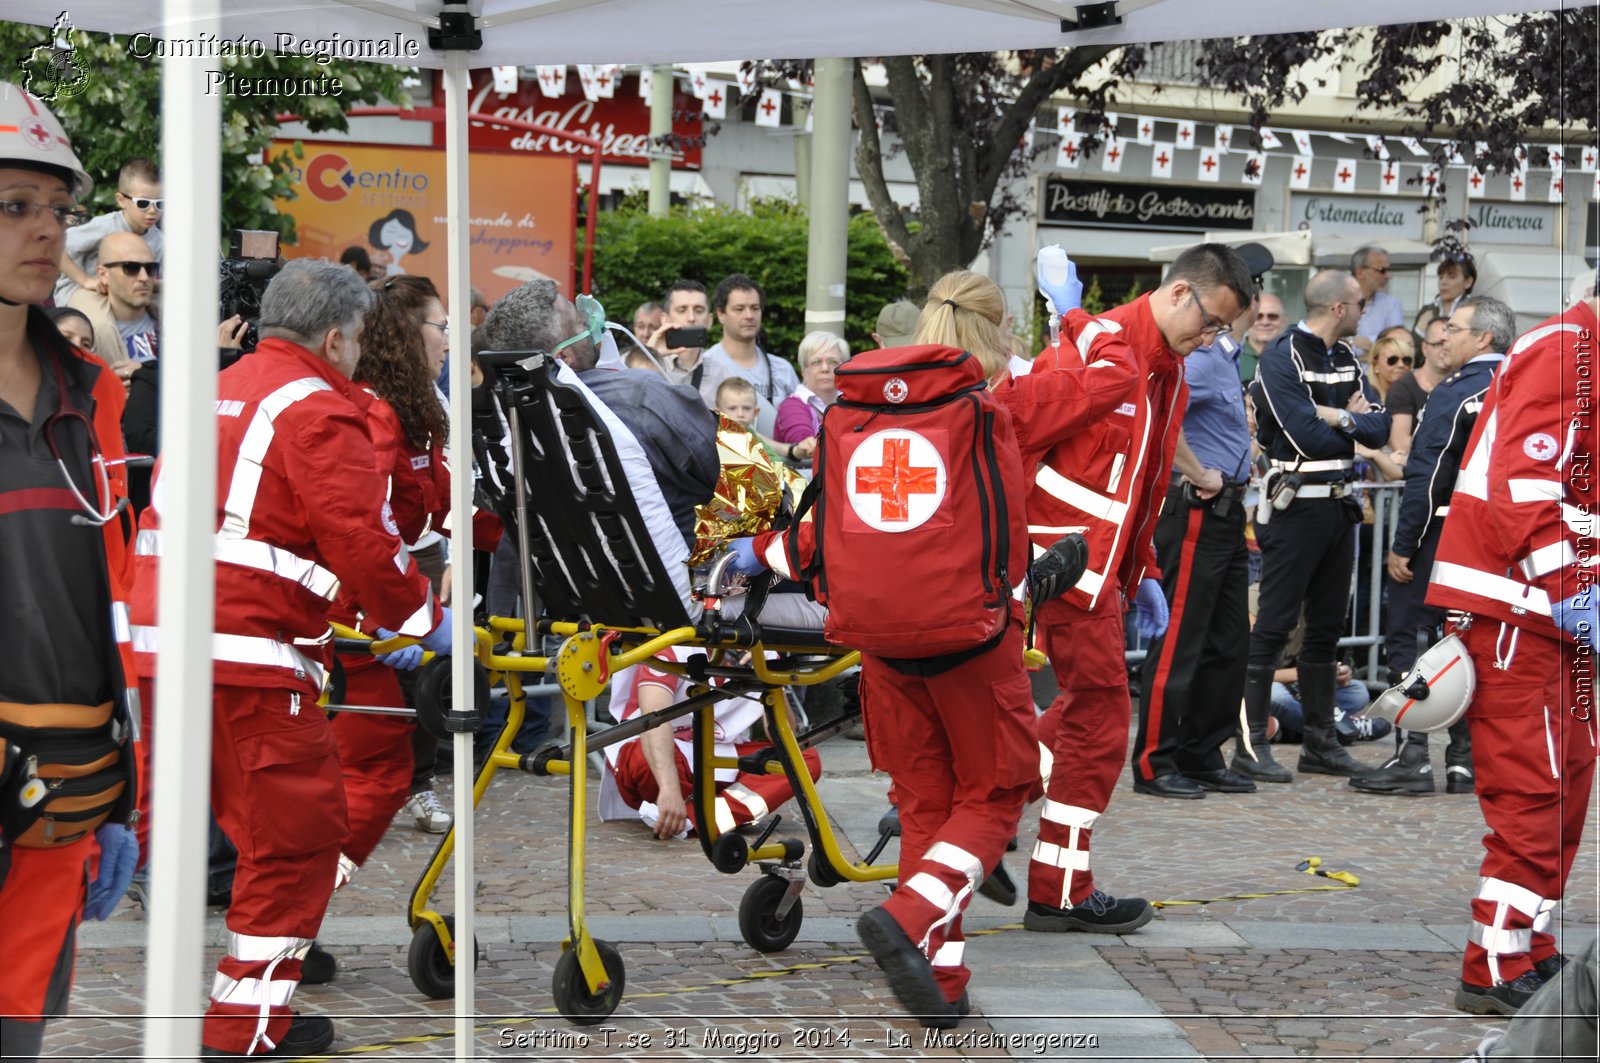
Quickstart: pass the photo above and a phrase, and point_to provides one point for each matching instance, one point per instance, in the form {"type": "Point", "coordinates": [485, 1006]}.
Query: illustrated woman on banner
{"type": "Point", "coordinates": [396, 233]}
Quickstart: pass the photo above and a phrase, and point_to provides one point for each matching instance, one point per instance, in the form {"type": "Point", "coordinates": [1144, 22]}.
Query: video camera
{"type": "Point", "coordinates": [251, 264]}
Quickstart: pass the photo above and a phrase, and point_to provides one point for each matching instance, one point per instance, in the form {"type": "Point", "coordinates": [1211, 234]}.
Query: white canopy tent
{"type": "Point", "coordinates": [513, 32]}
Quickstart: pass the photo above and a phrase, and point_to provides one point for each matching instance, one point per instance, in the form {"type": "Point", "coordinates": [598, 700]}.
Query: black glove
{"type": "Point", "coordinates": [1058, 568]}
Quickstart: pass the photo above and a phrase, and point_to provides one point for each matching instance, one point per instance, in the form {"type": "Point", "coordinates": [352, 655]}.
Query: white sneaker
{"type": "Point", "coordinates": [429, 811]}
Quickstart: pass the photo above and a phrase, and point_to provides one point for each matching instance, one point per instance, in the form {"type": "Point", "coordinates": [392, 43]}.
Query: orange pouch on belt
{"type": "Point", "coordinates": [65, 771]}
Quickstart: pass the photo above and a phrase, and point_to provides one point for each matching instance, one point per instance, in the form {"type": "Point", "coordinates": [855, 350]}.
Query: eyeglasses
{"type": "Point", "coordinates": [1386, 270]}
{"type": "Point", "coordinates": [1269, 317]}
{"type": "Point", "coordinates": [131, 268]}
{"type": "Point", "coordinates": [1211, 326]}
{"type": "Point", "coordinates": [1452, 329]}
{"type": "Point", "coordinates": [442, 326]}
{"type": "Point", "coordinates": [1398, 359]}
{"type": "Point", "coordinates": [142, 203]}
{"type": "Point", "coordinates": [1433, 343]}
{"type": "Point", "coordinates": [20, 209]}
{"type": "Point", "coordinates": [824, 363]}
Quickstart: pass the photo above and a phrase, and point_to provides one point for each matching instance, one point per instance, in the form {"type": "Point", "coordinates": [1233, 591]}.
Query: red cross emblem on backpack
{"type": "Point", "coordinates": [896, 480]}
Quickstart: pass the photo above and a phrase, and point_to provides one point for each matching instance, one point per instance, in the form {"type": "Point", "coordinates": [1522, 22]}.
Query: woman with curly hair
{"type": "Point", "coordinates": [404, 340]}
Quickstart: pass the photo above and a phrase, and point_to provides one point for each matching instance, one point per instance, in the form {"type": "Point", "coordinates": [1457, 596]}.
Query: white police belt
{"type": "Point", "coordinates": [1329, 465]}
{"type": "Point", "coordinates": [1322, 491]}
{"type": "Point", "coordinates": [1442, 511]}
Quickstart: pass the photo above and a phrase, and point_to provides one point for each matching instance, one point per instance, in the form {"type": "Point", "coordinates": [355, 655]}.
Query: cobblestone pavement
{"type": "Point", "coordinates": [1243, 961]}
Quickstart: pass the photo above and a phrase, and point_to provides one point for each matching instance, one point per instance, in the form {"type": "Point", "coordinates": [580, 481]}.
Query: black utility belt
{"type": "Point", "coordinates": [1221, 503]}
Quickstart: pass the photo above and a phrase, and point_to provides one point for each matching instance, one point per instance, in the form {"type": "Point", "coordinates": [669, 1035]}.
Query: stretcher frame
{"type": "Point", "coordinates": [590, 975]}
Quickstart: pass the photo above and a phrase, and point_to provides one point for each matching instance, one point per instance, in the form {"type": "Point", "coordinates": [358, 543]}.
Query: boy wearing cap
{"type": "Point", "coordinates": [139, 206]}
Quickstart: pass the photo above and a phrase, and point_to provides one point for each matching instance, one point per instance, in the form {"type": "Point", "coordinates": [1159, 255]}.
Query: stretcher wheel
{"type": "Point", "coordinates": [433, 695]}
{"type": "Point", "coordinates": [820, 871]}
{"type": "Point", "coordinates": [571, 991]}
{"type": "Point", "coordinates": [430, 968]}
{"type": "Point", "coordinates": [730, 853]}
{"type": "Point", "coordinates": [758, 915]}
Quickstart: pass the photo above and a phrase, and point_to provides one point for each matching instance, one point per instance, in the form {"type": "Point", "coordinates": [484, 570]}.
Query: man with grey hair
{"type": "Point", "coordinates": [1313, 405]}
{"type": "Point", "coordinates": [302, 510]}
{"type": "Point", "coordinates": [677, 432]}
{"type": "Point", "coordinates": [1479, 333]}
{"type": "Point", "coordinates": [1370, 267]}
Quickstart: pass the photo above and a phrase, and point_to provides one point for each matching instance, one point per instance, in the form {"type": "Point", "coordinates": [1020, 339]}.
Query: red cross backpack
{"type": "Point", "coordinates": [918, 490]}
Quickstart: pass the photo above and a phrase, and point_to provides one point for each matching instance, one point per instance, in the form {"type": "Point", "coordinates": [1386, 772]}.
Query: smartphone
{"type": "Point", "coordinates": [687, 337]}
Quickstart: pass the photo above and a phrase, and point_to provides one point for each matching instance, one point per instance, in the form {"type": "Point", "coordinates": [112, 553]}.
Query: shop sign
{"type": "Point", "coordinates": [1146, 206]}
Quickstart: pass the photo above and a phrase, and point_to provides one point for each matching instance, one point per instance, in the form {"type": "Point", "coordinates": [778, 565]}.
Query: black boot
{"type": "Point", "coordinates": [1320, 752]}
{"type": "Point", "coordinates": [1261, 767]}
{"type": "Point", "coordinates": [1407, 772]}
{"type": "Point", "coordinates": [1458, 777]}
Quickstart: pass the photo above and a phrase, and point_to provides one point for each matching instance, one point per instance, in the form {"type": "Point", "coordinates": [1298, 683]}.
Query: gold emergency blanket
{"type": "Point", "coordinates": [749, 491]}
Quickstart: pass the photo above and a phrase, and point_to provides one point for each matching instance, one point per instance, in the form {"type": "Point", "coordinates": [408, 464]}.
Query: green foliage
{"type": "Point", "coordinates": [637, 256]}
{"type": "Point", "coordinates": [117, 115]}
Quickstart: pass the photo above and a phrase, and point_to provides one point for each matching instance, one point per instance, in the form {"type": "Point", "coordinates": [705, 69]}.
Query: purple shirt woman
{"type": "Point", "coordinates": [800, 415]}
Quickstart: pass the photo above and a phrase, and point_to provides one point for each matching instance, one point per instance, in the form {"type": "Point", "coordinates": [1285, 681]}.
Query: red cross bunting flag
{"type": "Point", "coordinates": [1161, 160]}
{"type": "Point", "coordinates": [1519, 182]}
{"type": "Point", "coordinates": [715, 102]}
{"type": "Point", "coordinates": [769, 109]}
{"type": "Point", "coordinates": [698, 82]}
{"type": "Point", "coordinates": [1344, 175]}
{"type": "Point", "coordinates": [1379, 149]}
{"type": "Point", "coordinates": [1590, 158]}
{"type": "Point", "coordinates": [1558, 186]}
{"type": "Point", "coordinates": [1414, 146]}
{"type": "Point", "coordinates": [1300, 174]}
{"type": "Point", "coordinates": [586, 78]}
{"type": "Point", "coordinates": [647, 82]}
{"type": "Point", "coordinates": [1144, 130]}
{"type": "Point", "coordinates": [1224, 138]}
{"type": "Point", "coordinates": [1596, 194]}
{"type": "Point", "coordinates": [1255, 167]}
{"type": "Point", "coordinates": [1069, 153]}
{"type": "Point", "coordinates": [552, 80]}
{"type": "Point", "coordinates": [1066, 120]}
{"type": "Point", "coordinates": [1431, 175]}
{"type": "Point", "coordinates": [505, 79]}
{"type": "Point", "coordinates": [1110, 122]}
{"type": "Point", "coordinates": [1111, 153]}
{"type": "Point", "coordinates": [1302, 141]}
{"type": "Point", "coordinates": [1209, 167]}
{"type": "Point", "coordinates": [895, 480]}
{"type": "Point", "coordinates": [747, 79]}
{"type": "Point", "coordinates": [1389, 178]}
{"type": "Point", "coordinates": [1185, 134]}
{"type": "Point", "coordinates": [1475, 182]}
{"type": "Point", "coordinates": [1269, 139]}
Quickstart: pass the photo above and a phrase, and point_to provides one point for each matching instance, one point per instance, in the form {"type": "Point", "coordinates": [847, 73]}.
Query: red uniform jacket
{"type": "Point", "coordinates": [301, 508]}
{"type": "Point", "coordinates": [1109, 479]}
{"type": "Point", "coordinates": [1520, 535]}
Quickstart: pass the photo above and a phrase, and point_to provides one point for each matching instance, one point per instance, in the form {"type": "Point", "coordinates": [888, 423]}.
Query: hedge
{"type": "Point", "coordinates": [637, 256]}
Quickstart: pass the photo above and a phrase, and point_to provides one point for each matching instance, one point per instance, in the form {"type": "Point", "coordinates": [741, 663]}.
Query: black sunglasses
{"type": "Point", "coordinates": [1397, 359]}
{"type": "Point", "coordinates": [131, 268]}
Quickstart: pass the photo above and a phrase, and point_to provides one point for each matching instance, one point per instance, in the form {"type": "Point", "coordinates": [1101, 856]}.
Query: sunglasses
{"type": "Point", "coordinates": [1397, 359]}
{"type": "Point", "coordinates": [1385, 270]}
{"type": "Point", "coordinates": [142, 203]}
{"type": "Point", "coordinates": [131, 268]}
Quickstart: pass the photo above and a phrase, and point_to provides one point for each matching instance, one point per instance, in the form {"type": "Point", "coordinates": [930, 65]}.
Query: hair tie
{"type": "Point", "coordinates": [951, 303]}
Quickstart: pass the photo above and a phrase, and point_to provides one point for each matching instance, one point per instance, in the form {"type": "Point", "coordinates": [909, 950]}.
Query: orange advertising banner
{"type": "Point", "coordinates": [391, 202]}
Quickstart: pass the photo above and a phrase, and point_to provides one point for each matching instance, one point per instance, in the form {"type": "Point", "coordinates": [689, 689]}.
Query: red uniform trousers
{"type": "Point", "coordinates": [42, 897]}
{"type": "Point", "coordinates": [959, 749]}
{"type": "Point", "coordinates": [1084, 736]}
{"type": "Point", "coordinates": [1533, 745]}
{"type": "Point", "coordinates": [743, 800]}
{"type": "Point", "coordinates": [277, 794]}
{"type": "Point", "coordinates": [375, 755]}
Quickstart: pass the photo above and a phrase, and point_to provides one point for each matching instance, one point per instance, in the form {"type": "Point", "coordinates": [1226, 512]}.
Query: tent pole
{"type": "Point", "coordinates": [191, 128]}
{"type": "Point", "coordinates": [830, 196]}
{"type": "Point", "coordinates": [456, 92]}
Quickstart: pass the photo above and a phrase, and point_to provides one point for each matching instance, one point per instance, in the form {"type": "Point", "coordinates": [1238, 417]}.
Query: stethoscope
{"type": "Point", "coordinates": [92, 516]}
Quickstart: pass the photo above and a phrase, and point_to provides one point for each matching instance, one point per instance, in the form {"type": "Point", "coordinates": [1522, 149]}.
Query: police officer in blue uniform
{"type": "Point", "coordinates": [1194, 674]}
{"type": "Point", "coordinates": [1480, 331]}
{"type": "Point", "coordinates": [1313, 404]}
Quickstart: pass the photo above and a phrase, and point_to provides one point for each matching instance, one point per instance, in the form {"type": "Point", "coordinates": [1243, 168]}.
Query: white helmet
{"type": "Point", "coordinates": [1435, 693]}
{"type": "Point", "coordinates": [31, 137]}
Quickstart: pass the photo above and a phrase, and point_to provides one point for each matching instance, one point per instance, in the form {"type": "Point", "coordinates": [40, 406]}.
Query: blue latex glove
{"type": "Point", "coordinates": [438, 640]}
{"type": "Point", "coordinates": [405, 658]}
{"type": "Point", "coordinates": [1579, 615]}
{"type": "Point", "coordinates": [119, 855]}
{"type": "Point", "coordinates": [745, 562]}
{"type": "Point", "coordinates": [1058, 280]}
{"type": "Point", "coordinates": [1150, 605]}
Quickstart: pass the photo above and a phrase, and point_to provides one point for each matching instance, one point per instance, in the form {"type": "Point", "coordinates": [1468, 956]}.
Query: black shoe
{"type": "Point", "coordinates": [1222, 780]}
{"type": "Point", "coordinates": [999, 886]}
{"type": "Point", "coordinates": [308, 1035]}
{"type": "Point", "coordinates": [318, 967]}
{"type": "Point", "coordinates": [1100, 913]}
{"type": "Point", "coordinates": [1403, 773]}
{"type": "Point", "coordinates": [1458, 779]}
{"type": "Point", "coordinates": [1263, 769]}
{"type": "Point", "coordinates": [1011, 846]}
{"type": "Point", "coordinates": [889, 822]}
{"type": "Point", "coordinates": [1173, 785]}
{"type": "Point", "coordinates": [1550, 966]}
{"type": "Point", "coordinates": [908, 970]}
{"type": "Point", "coordinates": [1328, 761]}
{"type": "Point", "coordinates": [1506, 998]}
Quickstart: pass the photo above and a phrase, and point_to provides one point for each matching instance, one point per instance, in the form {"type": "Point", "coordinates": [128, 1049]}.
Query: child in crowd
{"type": "Point", "coordinates": [138, 211]}
{"type": "Point", "coordinates": [736, 400]}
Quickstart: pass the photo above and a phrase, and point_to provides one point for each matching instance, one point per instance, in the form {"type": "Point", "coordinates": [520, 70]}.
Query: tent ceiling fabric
{"type": "Point", "coordinates": [678, 31]}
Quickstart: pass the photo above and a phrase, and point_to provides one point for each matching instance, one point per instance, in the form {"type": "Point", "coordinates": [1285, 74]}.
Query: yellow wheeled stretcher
{"type": "Point", "coordinates": [587, 559]}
